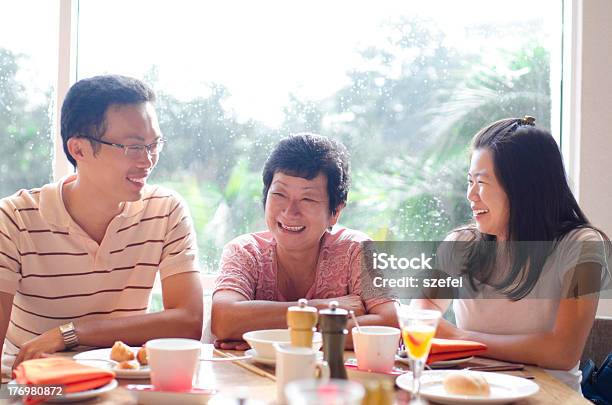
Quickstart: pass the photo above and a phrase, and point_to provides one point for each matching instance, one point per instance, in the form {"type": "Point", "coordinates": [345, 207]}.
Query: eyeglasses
{"type": "Point", "coordinates": [134, 151]}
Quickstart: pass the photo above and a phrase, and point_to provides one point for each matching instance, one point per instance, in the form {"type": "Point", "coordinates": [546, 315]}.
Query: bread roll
{"type": "Point", "coordinates": [121, 352]}
{"type": "Point", "coordinates": [466, 383]}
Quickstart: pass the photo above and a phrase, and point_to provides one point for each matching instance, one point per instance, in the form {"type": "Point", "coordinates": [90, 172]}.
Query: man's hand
{"type": "Point", "coordinates": [49, 342]}
{"type": "Point", "coordinates": [231, 344]}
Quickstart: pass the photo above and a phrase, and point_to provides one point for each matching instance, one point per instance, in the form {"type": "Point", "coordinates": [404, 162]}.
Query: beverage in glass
{"type": "Point", "coordinates": [418, 329]}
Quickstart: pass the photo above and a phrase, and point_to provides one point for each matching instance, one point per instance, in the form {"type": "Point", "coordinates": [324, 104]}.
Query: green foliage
{"type": "Point", "coordinates": [157, 303]}
{"type": "Point", "coordinates": [24, 132]}
{"type": "Point", "coordinates": [407, 117]}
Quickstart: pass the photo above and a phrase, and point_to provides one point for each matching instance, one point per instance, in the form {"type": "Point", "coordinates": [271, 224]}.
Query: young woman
{"type": "Point", "coordinates": [302, 254]}
{"type": "Point", "coordinates": [535, 262]}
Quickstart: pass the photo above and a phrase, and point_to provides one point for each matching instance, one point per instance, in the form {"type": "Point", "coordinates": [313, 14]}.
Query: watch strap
{"type": "Point", "coordinates": [69, 335]}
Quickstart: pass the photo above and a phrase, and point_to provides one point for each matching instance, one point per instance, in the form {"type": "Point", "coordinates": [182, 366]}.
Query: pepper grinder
{"type": "Point", "coordinates": [333, 327]}
{"type": "Point", "coordinates": [302, 321]}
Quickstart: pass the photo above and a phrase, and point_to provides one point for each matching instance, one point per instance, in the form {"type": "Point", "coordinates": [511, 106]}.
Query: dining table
{"type": "Point", "coordinates": [256, 382]}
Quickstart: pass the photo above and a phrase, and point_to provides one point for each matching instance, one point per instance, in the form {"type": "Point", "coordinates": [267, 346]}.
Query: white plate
{"type": "Point", "coordinates": [147, 395]}
{"type": "Point", "coordinates": [257, 359]}
{"type": "Point", "coordinates": [437, 364]}
{"type": "Point", "coordinates": [101, 358]}
{"type": "Point", "coordinates": [504, 388]}
{"type": "Point", "coordinates": [269, 362]}
{"type": "Point", "coordinates": [79, 396]}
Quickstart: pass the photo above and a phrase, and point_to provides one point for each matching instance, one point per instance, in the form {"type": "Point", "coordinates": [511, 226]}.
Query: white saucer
{"type": "Point", "coordinates": [257, 359]}
{"type": "Point", "coordinates": [267, 361]}
{"type": "Point", "coordinates": [147, 395]}
{"type": "Point", "coordinates": [354, 373]}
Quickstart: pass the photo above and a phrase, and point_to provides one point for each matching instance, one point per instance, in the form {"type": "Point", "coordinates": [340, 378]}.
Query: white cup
{"type": "Point", "coordinates": [296, 363]}
{"type": "Point", "coordinates": [173, 363]}
{"type": "Point", "coordinates": [375, 347]}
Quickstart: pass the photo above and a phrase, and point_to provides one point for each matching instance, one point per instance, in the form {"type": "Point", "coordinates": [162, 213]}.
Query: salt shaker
{"type": "Point", "coordinates": [333, 327]}
{"type": "Point", "coordinates": [302, 321]}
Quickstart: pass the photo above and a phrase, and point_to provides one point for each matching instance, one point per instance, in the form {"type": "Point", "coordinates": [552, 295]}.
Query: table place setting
{"type": "Point", "coordinates": [294, 371]}
{"type": "Point", "coordinates": [217, 382]}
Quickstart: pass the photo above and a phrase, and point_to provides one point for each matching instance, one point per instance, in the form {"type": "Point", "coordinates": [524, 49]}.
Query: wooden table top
{"type": "Point", "coordinates": [230, 379]}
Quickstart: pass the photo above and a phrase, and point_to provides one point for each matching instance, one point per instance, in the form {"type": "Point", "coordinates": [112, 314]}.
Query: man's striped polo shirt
{"type": "Point", "coordinates": [57, 273]}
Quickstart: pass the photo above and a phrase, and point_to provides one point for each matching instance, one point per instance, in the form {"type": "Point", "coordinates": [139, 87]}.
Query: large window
{"type": "Point", "coordinates": [404, 86]}
{"type": "Point", "coordinates": [28, 70]}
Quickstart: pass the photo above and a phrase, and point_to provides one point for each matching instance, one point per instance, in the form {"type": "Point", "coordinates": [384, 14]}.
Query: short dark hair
{"type": "Point", "coordinates": [85, 105]}
{"type": "Point", "coordinates": [306, 155]}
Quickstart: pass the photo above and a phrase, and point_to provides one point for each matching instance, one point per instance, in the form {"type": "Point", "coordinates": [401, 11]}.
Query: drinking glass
{"type": "Point", "coordinates": [320, 392]}
{"type": "Point", "coordinates": [418, 329]}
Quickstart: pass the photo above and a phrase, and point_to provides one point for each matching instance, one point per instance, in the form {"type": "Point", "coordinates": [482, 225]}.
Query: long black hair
{"type": "Point", "coordinates": [529, 167]}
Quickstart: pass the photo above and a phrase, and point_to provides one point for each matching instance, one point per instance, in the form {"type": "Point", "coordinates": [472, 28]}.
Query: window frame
{"type": "Point", "coordinates": [66, 77]}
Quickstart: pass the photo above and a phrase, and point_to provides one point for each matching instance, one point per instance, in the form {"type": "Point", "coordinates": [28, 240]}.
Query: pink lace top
{"type": "Point", "coordinates": [249, 267]}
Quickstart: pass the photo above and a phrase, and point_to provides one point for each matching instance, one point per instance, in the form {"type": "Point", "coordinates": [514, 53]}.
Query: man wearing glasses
{"type": "Point", "coordinates": [78, 258]}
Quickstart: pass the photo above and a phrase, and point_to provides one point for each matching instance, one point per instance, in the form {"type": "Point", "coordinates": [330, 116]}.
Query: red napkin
{"type": "Point", "coordinates": [448, 349]}
{"type": "Point", "coordinates": [73, 376]}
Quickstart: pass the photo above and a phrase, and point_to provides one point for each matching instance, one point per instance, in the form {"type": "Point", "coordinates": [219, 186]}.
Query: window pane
{"type": "Point", "coordinates": [405, 88]}
{"type": "Point", "coordinates": [28, 70]}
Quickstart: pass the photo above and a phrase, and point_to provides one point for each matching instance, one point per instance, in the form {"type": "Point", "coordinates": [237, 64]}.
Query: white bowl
{"type": "Point", "coordinates": [263, 341]}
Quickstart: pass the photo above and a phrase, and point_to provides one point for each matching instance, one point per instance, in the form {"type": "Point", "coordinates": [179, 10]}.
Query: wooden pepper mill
{"type": "Point", "coordinates": [302, 321]}
{"type": "Point", "coordinates": [333, 327]}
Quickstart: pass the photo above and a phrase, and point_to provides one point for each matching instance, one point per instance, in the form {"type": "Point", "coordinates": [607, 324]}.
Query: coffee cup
{"type": "Point", "coordinates": [296, 363]}
{"type": "Point", "coordinates": [375, 347]}
{"type": "Point", "coordinates": [173, 363]}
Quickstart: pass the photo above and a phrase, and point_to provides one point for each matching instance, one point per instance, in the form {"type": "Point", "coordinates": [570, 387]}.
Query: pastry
{"type": "Point", "coordinates": [128, 365]}
{"type": "Point", "coordinates": [466, 383]}
{"type": "Point", "coordinates": [142, 357]}
{"type": "Point", "coordinates": [121, 352]}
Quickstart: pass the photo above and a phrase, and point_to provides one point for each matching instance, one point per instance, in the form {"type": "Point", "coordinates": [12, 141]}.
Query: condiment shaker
{"type": "Point", "coordinates": [333, 327]}
{"type": "Point", "coordinates": [302, 321]}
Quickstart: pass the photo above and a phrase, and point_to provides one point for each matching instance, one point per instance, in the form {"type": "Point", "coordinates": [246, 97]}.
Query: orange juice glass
{"type": "Point", "coordinates": [418, 341]}
{"type": "Point", "coordinates": [418, 329]}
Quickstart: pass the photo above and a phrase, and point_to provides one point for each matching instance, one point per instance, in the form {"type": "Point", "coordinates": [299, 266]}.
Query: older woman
{"type": "Point", "coordinates": [302, 254]}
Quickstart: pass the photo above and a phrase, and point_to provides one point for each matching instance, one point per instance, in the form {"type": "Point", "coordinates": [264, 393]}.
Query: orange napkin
{"type": "Point", "coordinates": [448, 349]}
{"type": "Point", "coordinates": [73, 376]}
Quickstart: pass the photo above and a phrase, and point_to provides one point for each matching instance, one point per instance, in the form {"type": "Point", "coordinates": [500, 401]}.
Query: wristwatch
{"type": "Point", "coordinates": [69, 334]}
